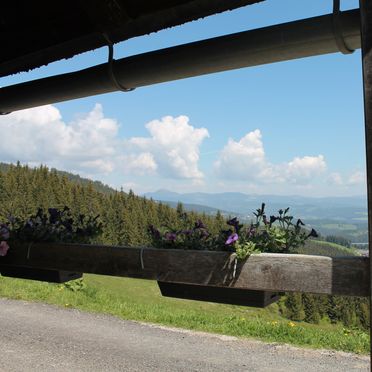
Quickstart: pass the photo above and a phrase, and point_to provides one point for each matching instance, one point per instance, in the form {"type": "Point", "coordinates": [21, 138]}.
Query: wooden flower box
{"type": "Point", "coordinates": [44, 275]}
{"type": "Point", "coordinates": [223, 295]}
{"type": "Point", "coordinates": [272, 272]}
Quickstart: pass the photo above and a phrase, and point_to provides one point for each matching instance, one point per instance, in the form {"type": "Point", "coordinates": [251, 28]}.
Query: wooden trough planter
{"type": "Point", "coordinates": [222, 295]}
{"type": "Point", "coordinates": [196, 274]}
{"type": "Point", "coordinates": [43, 275]}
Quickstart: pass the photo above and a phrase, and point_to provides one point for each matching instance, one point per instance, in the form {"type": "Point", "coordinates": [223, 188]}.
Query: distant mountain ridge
{"type": "Point", "coordinates": [353, 208]}
{"type": "Point", "coordinates": [198, 208]}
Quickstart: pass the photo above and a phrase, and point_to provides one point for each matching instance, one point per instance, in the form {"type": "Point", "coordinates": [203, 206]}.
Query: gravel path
{"type": "Point", "coordinates": [39, 337]}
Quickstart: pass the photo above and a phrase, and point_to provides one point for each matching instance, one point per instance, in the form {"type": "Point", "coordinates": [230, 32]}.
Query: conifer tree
{"type": "Point", "coordinates": [294, 307]}
{"type": "Point", "coordinates": [310, 308]}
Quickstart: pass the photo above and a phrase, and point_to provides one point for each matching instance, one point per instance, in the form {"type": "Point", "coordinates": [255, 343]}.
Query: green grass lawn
{"type": "Point", "coordinates": [141, 300]}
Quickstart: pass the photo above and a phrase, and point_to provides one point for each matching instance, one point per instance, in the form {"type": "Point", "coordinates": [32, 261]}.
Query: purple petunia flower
{"type": "Point", "coordinates": [199, 225]}
{"type": "Point", "coordinates": [170, 236]}
{"type": "Point", "coordinates": [11, 218]}
{"type": "Point", "coordinates": [4, 247]}
{"type": "Point", "coordinates": [234, 222]}
{"type": "Point", "coordinates": [154, 232]}
{"type": "Point", "coordinates": [232, 239]}
{"type": "Point", "coordinates": [252, 232]}
{"type": "Point", "coordinates": [313, 234]}
{"type": "Point", "coordinates": [54, 215]}
{"type": "Point", "coordinates": [273, 219]}
{"type": "Point", "coordinates": [4, 232]}
{"type": "Point", "coordinates": [299, 222]}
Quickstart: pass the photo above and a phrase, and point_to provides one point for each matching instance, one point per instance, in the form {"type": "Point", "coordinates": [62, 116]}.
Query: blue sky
{"type": "Point", "coordinates": [294, 127]}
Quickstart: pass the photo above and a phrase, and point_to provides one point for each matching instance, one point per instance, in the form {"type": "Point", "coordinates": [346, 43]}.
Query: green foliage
{"type": "Point", "coordinates": [54, 226]}
{"type": "Point", "coordinates": [76, 285]}
{"type": "Point", "coordinates": [310, 309]}
{"type": "Point", "coordinates": [279, 234]}
{"type": "Point", "coordinates": [294, 307]}
{"type": "Point", "coordinates": [123, 217]}
{"type": "Point", "coordinates": [338, 240]}
{"type": "Point", "coordinates": [244, 250]}
{"type": "Point", "coordinates": [350, 311]}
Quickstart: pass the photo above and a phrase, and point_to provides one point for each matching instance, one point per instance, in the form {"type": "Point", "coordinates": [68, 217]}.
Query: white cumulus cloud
{"type": "Point", "coordinates": [140, 164]}
{"type": "Point", "coordinates": [39, 135]}
{"type": "Point", "coordinates": [174, 146]}
{"type": "Point", "coordinates": [303, 169]}
{"type": "Point", "coordinates": [90, 144]}
{"type": "Point", "coordinates": [245, 160]}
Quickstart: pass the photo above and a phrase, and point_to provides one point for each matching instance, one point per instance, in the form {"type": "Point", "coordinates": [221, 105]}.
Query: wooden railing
{"type": "Point", "coordinates": [268, 271]}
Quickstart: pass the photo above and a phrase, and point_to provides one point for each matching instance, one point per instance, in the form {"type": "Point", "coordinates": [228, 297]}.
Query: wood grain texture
{"type": "Point", "coordinates": [268, 271]}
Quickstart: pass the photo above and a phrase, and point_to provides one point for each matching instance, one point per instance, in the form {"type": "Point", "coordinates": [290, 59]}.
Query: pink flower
{"type": "Point", "coordinates": [3, 248]}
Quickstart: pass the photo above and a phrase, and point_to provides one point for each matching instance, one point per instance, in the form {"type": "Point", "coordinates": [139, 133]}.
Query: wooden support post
{"type": "Point", "coordinates": [366, 32]}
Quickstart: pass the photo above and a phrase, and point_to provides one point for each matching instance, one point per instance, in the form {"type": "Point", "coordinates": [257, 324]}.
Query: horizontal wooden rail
{"type": "Point", "coordinates": [268, 271]}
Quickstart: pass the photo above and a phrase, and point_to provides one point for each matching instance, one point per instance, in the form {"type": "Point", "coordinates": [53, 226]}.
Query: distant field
{"type": "Point", "coordinates": [355, 230]}
{"type": "Point", "coordinates": [141, 300]}
{"type": "Point", "coordinates": [340, 226]}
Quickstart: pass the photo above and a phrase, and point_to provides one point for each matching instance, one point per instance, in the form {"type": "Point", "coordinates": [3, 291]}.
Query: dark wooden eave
{"type": "Point", "coordinates": [35, 33]}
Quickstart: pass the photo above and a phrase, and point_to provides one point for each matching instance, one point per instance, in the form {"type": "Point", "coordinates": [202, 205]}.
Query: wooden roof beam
{"type": "Point", "coordinates": [299, 39]}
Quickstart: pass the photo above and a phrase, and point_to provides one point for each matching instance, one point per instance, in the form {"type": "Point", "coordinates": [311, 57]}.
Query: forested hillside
{"type": "Point", "coordinates": [75, 178]}
{"type": "Point", "coordinates": [125, 218]}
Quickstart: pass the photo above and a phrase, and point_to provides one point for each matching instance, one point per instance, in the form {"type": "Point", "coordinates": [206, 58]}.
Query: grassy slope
{"type": "Point", "coordinates": [141, 300]}
{"type": "Point", "coordinates": [323, 248]}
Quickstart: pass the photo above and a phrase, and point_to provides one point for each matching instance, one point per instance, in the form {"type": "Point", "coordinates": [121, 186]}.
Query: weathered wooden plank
{"type": "Point", "coordinates": [287, 272]}
{"type": "Point", "coordinates": [272, 272]}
